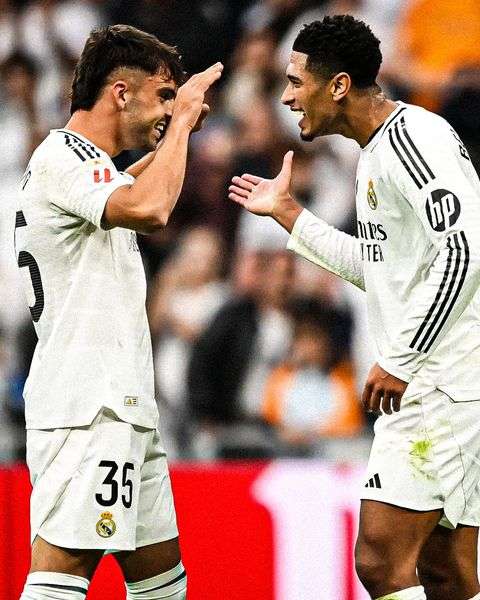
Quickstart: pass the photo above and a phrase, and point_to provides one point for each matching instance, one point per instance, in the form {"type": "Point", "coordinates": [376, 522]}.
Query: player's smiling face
{"type": "Point", "coordinates": [309, 96]}
{"type": "Point", "coordinates": [148, 110]}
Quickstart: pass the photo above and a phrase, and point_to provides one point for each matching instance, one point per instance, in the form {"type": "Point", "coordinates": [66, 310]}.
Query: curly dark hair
{"type": "Point", "coordinates": [109, 48]}
{"type": "Point", "coordinates": [341, 43]}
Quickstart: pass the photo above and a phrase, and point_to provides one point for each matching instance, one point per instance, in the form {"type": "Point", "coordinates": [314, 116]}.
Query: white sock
{"type": "Point", "coordinates": [43, 585]}
{"type": "Point", "coordinates": [171, 584]}
{"type": "Point", "coordinates": [413, 593]}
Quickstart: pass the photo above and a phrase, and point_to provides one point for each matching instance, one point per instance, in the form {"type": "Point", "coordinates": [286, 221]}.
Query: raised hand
{"type": "Point", "coordinates": [189, 106]}
{"type": "Point", "coordinates": [268, 197]}
{"type": "Point", "coordinates": [261, 196]}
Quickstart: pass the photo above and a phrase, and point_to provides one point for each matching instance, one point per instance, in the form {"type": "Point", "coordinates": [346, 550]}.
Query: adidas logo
{"type": "Point", "coordinates": [374, 482]}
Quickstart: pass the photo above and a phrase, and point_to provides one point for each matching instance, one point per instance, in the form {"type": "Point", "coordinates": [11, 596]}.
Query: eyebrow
{"type": "Point", "coordinates": [166, 92]}
{"type": "Point", "coordinates": [294, 79]}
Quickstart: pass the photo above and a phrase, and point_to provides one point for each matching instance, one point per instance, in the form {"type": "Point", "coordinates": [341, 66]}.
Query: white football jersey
{"type": "Point", "coordinates": [417, 254]}
{"type": "Point", "coordinates": [86, 291]}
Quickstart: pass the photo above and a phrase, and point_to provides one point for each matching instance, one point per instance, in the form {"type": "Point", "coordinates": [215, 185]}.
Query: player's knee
{"type": "Point", "coordinates": [43, 585]}
{"type": "Point", "coordinates": [369, 562]}
{"type": "Point", "coordinates": [369, 568]}
{"type": "Point", "coordinates": [172, 585]}
{"type": "Point", "coordinates": [458, 573]}
{"type": "Point", "coordinates": [377, 569]}
{"type": "Point", "coordinates": [433, 573]}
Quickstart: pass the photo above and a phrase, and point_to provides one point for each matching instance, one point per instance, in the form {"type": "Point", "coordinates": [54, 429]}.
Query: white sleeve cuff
{"type": "Point", "coordinates": [395, 370]}
{"type": "Point", "coordinates": [304, 218]}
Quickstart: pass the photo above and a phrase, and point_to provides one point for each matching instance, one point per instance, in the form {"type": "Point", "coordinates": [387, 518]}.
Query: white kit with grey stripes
{"type": "Point", "coordinates": [417, 254]}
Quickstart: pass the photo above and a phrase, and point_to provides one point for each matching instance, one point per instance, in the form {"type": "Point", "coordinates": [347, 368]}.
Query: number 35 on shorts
{"type": "Point", "coordinates": [116, 485]}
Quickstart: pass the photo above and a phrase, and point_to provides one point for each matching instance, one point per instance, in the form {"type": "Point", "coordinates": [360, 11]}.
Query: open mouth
{"type": "Point", "coordinates": [160, 129]}
{"type": "Point", "coordinates": [301, 114]}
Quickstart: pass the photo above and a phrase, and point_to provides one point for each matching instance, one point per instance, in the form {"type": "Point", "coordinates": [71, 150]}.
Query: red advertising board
{"type": "Point", "coordinates": [278, 531]}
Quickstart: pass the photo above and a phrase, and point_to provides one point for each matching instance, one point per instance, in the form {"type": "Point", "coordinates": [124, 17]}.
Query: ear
{"type": "Point", "coordinates": [120, 92]}
{"type": "Point", "coordinates": [340, 86]}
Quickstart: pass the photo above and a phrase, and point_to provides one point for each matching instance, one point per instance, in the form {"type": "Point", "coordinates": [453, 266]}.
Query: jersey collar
{"type": "Point", "coordinates": [377, 134]}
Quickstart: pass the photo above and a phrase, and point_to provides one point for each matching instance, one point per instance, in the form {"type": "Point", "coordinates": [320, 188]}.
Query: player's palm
{"type": "Point", "coordinates": [260, 196]}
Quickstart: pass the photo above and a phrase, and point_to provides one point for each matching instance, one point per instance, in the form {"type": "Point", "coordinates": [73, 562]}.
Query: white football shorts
{"type": "Point", "coordinates": [427, 456]}
{"type": "Point", "coordinates": [104, 486]}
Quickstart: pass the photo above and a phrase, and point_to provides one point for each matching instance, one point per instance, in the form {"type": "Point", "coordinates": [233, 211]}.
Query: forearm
{"type": "Point", "coordinates": [158, 186]}
{"type": "Point", "coordinates": [286, 213]}
{"type": "Point", "coordinates": [146, 204]}
{"type": "Point", "coordinates": [140, 165]}
{"type": "Point", "coordinates": [327, 247]}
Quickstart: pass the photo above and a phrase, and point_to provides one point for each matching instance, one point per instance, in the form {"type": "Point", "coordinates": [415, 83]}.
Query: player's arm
{"type": "Point", "coordinates": [310, 236]}
{"type": "Point", "coordinates": [140, 165]}
{"type": "Point", "coordinates": [446, 200]}
{"type": "Point", "coordinates": [147, 204]}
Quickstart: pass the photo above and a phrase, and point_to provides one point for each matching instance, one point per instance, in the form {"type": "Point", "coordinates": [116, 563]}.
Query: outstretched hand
{"type": "Point", "coordinates": [263, 196]}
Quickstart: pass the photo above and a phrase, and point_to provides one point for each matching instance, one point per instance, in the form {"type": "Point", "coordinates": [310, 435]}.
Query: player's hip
{"type": "Point", "coordinates": [92, 485]}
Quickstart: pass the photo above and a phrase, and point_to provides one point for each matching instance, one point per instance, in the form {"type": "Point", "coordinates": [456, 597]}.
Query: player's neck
{"type": "Point", "coordinates": [98, 129]}
{"type": "Point", "coordinates": [365, 115]}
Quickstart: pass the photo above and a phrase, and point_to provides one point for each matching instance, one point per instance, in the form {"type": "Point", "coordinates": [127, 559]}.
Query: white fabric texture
{"type": "Point", "coordinates": [105, 486]}
{"type": "Point", "coordinates": [44, 585]}
{"type": "Point", "coordinates": [426, 457]}
{"type": "Point", "coordinates": [86, 290]}
{"type": "Point", "coordinates": [172, 584]}
{"type": "Point", "coordinates": [417, 253]}
{"type": "Point", "coordinates": [477, 597]}
{"type": "Point", "coordinates": [413, 593]}
{"type": "Point", "coordinates": [327, 247]}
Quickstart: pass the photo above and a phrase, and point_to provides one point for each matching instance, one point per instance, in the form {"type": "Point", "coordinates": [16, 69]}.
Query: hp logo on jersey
{"type": "Point", "coordinates": [443, 209]}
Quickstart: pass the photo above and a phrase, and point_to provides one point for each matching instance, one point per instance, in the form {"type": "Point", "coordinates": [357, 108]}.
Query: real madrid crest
{"type": "Point", "coordinates": [106, 527]}
{"type": "Point", "coordinates": [371, 196]}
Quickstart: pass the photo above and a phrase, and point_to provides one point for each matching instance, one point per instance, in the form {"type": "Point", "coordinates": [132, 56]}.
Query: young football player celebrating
{"type": "Point", "coordinates": [417, 256]}
{"type": "Point", "coordinates": [97, 464]}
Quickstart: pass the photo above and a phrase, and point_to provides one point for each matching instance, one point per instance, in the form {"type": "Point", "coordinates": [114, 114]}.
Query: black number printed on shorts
{"type": "Point", "coordinates": [127, 484]}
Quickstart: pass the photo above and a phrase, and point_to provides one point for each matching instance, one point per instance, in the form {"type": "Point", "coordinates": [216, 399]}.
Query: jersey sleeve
{"type": "Point", "coordinates": [431, 168]}
{"type": "Point", "coordinates": [82, 181]}
{"type": "Point", "coordinates": [327, 247]}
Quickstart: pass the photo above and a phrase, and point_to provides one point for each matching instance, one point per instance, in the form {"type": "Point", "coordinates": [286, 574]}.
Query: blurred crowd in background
{"type": "Point", "coordinates": [257, 353]}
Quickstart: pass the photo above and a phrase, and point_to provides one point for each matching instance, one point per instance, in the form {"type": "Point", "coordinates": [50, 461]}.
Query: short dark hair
{"type": "Point", "coordinates": [341, 43]}
{"type": "Point", "coordinates": [109, 48]}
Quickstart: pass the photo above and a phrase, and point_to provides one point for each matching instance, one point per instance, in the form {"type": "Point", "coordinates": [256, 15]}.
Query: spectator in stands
{"type": "Point", "coordinates": [274, 15]}
{"type": "Point", "coordinates": [186, 294]}
{"type": "Point", "coordinates": [436, 39]}
{"type": "Point", "coordinates": [20, 134]}
{"type": "Point", "coordinates": [8, 28]}
{"type": "Point", "coordinates": [311, 397]}
{"type": "Point", "coordinates": [12, 435]}
{"type": "Point", "coordinates": [252, 73]}
{"type": "Point", "coordinates": [259, 148]}
{"type": "Point", "coordinates": [232, 358]}
{"type": "Point", "coordinates": [54, 32]}
{"type": "Point", "coordinates": [204, 31]}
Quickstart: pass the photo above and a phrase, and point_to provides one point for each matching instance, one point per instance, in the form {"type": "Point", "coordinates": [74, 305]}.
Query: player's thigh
{"type": "Point", "coordinates": [450, 554]}
{"type": "Point", "coordinates": [149, 561]}
{"type": "Point", "coordinates": [387, 532]}
{"type": "Point", "coordinates": [50, 558]}
{"type": "Point", "coordinates": [86, 484]}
